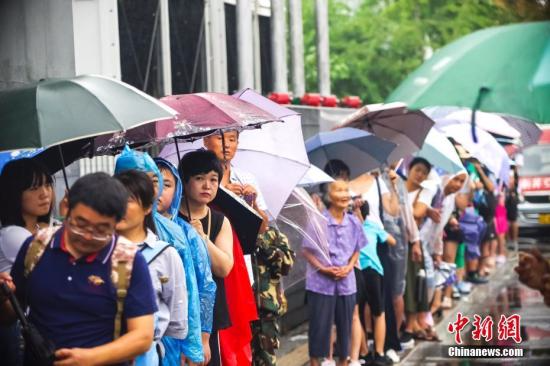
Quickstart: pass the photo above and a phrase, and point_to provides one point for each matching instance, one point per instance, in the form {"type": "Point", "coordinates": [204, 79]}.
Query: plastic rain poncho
{"type": "Point", "coordinates": [171, 233]}
{"type": "Point", "coordinates": [201, 259]}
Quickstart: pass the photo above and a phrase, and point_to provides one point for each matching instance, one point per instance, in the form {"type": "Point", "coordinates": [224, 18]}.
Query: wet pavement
{"type": "Point", "coordinates": [502, 295]}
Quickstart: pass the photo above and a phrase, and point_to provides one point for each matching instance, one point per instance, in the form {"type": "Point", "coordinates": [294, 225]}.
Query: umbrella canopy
{"type": "Point", "coordinates": [489, 122]}
{"type": "Point", "coordinates": [302, 223]}
{"type": "Point", "coordinates": [199, 115]}
{"type": "Point", "coordinates": [54, 111]}
{"type": "Point", "coordinates": [395, 123]}
{"type": "Point", "coordinates": [315, 176]}
{"type": "Point", "coordinates": [439, 151]}
{"type": "Point", "coordinates": [501, 69]}
{"type": "Point", "coordinates": [487, 150]}
{"type": "Point", "coordinates": [530, 132]}
{"type": "Point", "coordinates": [244, 220]}
{"type": "Point", "coordinates": [265, 152]}
{"type": "Point", "coordinates": [360, 150]}
{"type": "Point", "coordinates": [203, 112]}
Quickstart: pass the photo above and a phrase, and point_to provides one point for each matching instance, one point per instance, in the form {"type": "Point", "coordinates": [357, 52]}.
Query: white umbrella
{"type": "Point", "coordinates": [489, 122]}
{"type": "Point", "coordinates": [487, 150]}
{"type": "Point", "coordinates": [439, 151]}
{"type": "Point", "coordinates": [314, 176]}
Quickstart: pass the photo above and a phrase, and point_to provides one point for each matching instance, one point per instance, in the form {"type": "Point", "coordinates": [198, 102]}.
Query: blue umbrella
{"type": "Point", "coordinates": [7, 156]}
{"type": "Point", "coordinates": [54, 158]}
{"type": "Point", "coordinates": [360, 150]}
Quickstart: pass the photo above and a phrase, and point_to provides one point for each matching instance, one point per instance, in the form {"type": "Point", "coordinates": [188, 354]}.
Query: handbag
{"type": "Point", "coordinates": [39, 351]}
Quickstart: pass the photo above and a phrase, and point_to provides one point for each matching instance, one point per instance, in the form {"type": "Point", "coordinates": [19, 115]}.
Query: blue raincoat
{"type": "Point", "coordinates": [171, 233]}
{"type": "Point", "coordinates": [201, 259]}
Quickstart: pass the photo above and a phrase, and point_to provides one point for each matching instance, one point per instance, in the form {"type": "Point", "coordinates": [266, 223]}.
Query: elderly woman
{"type": "Point", "coordinates": [330, 280]}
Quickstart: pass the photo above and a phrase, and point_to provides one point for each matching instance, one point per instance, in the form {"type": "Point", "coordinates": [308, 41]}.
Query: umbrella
{"type": "Point", "coordinates": [487, 150]}
{"type": "Point", "coordinates": [395, 123]}
{"type": "Point", "coordinates": [199, 115]}
{"type": "Point", "coordinates": [489, 122]}
{"type": "Point", "coordinates": [500, 69]}
{"type": "Point", "coordinates": [54, 158]}
{"type": "Point", "coordinates": [439, 151]}
{"type": "Point", "coordinates": [360, 150]}
{"type": "Point", "coordinates": [243, 218]}
{"type": "Point", "coordinates": [202, 113]}
{"type": "Point", "coordinates": [530, 132]}
{"type": "Point", "coordinates": [54, 111]}
{"type": "Point", "coordinates": [265, 152]}
{"type": "Point", "coordinates": [273, 149]}
{"type": "Point", "coordinates": [314, 176]}
{"type": "Point", "coordinates": [302, 223]}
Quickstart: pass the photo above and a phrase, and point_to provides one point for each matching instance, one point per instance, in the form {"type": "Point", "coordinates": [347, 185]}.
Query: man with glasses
{"type": "Point", "coordinates": [69, 293]}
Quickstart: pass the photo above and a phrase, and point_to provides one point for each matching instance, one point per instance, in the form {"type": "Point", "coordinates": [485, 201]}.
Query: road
{"type": "Point", "coordinates": [502, 295]}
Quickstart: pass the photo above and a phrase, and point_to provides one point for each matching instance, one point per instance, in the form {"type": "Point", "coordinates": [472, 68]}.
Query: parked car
{"type": "Point", "coordinates": [534, 185]}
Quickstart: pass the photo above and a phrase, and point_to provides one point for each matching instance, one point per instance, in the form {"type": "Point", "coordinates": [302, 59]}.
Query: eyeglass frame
{"type": "Point", "coordinates": [80, 231]}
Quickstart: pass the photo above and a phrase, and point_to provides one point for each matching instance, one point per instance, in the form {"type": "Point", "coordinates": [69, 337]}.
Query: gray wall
{"type": "Point", "coordinates": [36, 41]}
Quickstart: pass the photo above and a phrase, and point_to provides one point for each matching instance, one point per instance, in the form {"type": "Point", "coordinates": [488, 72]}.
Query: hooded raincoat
{"type": "Point", "coordinates": [201, 259]}
{"type": "Point", "coordinates": [171, 233]}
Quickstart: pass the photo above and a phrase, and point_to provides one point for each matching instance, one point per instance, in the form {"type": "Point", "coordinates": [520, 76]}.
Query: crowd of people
{"type": "Point", "coordinates": [143, 267]}
{"type": "Point", "coordinates": [139, 267]}
{"type": "Point", "coordinates": [404, 243]}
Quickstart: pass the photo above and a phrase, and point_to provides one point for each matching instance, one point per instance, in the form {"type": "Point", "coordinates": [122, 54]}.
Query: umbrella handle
{"type": "Point", "coordinates": [63, 167]}
{"type": "Point", "coordinates": [481, 93]}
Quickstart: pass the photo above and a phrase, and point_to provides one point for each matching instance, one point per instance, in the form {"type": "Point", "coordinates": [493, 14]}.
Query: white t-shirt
{"type": "Point", "coordinates": [425, 197]}
{"type": "Point", "coordinates": [371, 196]}
{"type": "Point", "coordinates": [243, 177]}
{"type": "Point", "coordinates": [11, 240]}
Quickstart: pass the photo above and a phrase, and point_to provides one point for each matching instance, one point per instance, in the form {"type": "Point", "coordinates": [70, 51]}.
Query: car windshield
{"type": "Point", "coordinates": [536, 160]}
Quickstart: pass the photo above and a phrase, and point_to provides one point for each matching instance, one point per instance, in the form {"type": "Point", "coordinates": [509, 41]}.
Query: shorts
{"type": "Point", "coordinates": [361, 294]}
{"type": "Point", "coordinates": [374, 290]}
{"type": "Point", "coordinates": [398, 258]}
{"type": "Point", "coordinates": [460, 259]}
{"type": "Point", "coordinates": [328, 310]}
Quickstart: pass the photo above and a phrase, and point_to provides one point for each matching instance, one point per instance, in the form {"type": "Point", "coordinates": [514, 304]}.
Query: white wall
{"type": "Point", "coordinates": [36, 41]}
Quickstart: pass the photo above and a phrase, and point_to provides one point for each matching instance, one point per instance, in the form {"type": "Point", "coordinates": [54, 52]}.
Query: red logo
{"type": "Point", "coordinates": [508, 327]}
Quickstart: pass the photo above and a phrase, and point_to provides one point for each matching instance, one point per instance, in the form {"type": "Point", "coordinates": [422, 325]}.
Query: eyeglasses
{"type": "Point", "coordinates": [81, 229]}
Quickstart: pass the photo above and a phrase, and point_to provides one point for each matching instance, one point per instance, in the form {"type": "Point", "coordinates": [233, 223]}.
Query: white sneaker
{"type": "Point", "coordinates": [327, 362]}
{"type": "Point", "coordinates": [354, 363]}
{"type": "Point", "coordinates": [464, 287]}
{"type": "Point", "coordinates": [393, 356]}
{"type": "Point", "coordinates": [500, 260]}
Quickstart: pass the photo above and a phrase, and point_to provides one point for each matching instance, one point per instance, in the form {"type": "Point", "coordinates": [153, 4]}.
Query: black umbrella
{"type": "Point", "coordinates": [243, 218]}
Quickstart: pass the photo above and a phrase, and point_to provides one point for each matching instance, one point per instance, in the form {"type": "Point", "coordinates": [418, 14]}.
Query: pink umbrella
{"type": "Point", "coordinates": [199, 115]}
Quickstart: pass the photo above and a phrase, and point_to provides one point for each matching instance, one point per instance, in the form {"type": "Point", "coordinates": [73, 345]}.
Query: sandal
{"type": "Point", "coordinates": [431, 334]}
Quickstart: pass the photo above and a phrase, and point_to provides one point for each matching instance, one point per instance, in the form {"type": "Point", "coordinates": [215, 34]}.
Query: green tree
{"type": "Point", "coordinates": [375, 45]}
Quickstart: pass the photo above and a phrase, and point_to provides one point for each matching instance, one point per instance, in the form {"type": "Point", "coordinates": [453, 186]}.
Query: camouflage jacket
{"type": "Point", "coordinates": [273, 259]}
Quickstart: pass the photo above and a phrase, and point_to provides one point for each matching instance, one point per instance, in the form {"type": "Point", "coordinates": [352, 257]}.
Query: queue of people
{"type": "Point", "coordinates": [425, 240]}
{"type": "Point", "coordinates": [136, 268]}
{"type": "Point", "coordinates": [142, 267]}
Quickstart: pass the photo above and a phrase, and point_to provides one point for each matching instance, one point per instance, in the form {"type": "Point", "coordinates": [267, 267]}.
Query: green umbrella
{"type": "Point", "coordinates": [502, 69]}
{"type": "Point", "coordinates": [55, 111]}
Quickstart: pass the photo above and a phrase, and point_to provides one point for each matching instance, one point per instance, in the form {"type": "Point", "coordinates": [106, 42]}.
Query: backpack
{"type": "Point", "coordinates": [122, 262]}
{"type": "Point", "coordinates": [472, 226]}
